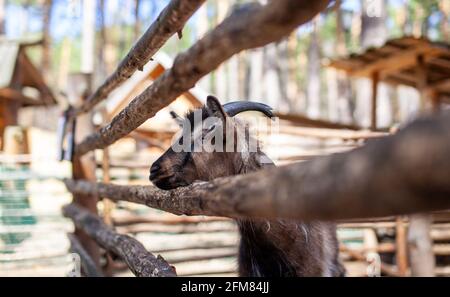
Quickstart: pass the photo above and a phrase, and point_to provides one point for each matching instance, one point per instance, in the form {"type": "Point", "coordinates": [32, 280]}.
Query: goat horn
{"type": "Point", "coordinates": [233, 108]}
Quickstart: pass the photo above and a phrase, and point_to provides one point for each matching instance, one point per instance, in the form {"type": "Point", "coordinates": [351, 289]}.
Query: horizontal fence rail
{"type": "Point", "coordinates": [400, 174]}
{"type": "Point", "coordinates": [249, 27]}
{"type": "Point", "coordinates": [170, 21]}
{"type": "Point", "coordinates": [139, 260]}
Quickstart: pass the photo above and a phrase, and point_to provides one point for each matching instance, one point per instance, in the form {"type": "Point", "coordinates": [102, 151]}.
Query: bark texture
{"type": "Point", "coordinates": [250, 26]}
{"type": "Point", "coordinates": [139, 260]}
{"type": "Point", "coordinates": [401, 174]}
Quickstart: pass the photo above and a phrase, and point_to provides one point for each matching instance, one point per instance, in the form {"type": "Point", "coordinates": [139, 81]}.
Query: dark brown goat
{"type": "Point", "coordinates": [267, 248]}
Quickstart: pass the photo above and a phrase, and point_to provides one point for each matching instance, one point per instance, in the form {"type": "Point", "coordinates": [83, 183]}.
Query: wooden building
{"type": "Point", "coordinates": [21, 83]}
{"type": "Point", "coordinates": [414, 62]}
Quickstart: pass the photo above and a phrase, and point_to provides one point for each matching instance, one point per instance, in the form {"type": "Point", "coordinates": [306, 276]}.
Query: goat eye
{"type": "Point", "coordinates": [210, 129]}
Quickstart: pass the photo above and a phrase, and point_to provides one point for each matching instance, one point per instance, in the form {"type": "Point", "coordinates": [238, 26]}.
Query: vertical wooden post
{"type": "Point", "coordinates": [373, 120]}
{"type": "Point", "coordinates": [84, 167]}
{"type": "Point", "coordinates": [420, 245]}
{"type": "Point", "coordinates": [372, 256]}
{"type": "Point", "coordinates": [435, 100]}
{"type": "Point", "coordinates": [401, 250]}
{"type": "Point", "coordinates": [422, 81]}
{"type": "Point", "coordinates": [107, 204]}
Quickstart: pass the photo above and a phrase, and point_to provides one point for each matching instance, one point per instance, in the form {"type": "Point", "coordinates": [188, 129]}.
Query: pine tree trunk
{"type": "Point", "coordinates": [293, 70]}
{"type": "Point", "coordinates": [137, 20]}
{"type": "Point", "coordinates": [46, 47]}
{"type": "Point", "coordinates": [271, 85]}
{"type": "Point", "coordinates": [444, 7]}
{"type": "Point", "coordinates": [221, 73]}
{"type": "Point", "coordinates": [282, 67]}
{"type": "Point", "coordinates": [101, 45]}
{"type": "Point", "coordinates": [313, 80]}
{"type": "Point", "coordinates": [2, 17]}
{"type": "Point", "coordinates": [24, 18]}
{"type": "Point", "coordinates": [88, 37]}
{"type": "Point", "coordinates": [255, 90]}
{"type": "Point", "coordinates": [373, 34]}
{"type": "Point", "coordinates": [202, 27]}
{"type": "Point", "coordinates": [344, 100]}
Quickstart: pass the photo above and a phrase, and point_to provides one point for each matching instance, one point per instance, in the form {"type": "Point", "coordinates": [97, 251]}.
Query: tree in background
{"type": "Point", "coordinates": [137, 20]}
{"type": "Point", "coordinates": [313, 82]}
{"type": "Point", "coordinates": [220, 77]}
{"type": "Point", "coordinates": [339, 96]}
{"type": "Point", "coordinates": [201, 27]}
{"type": "Point", "coordinates": [2, 17]}
{"type": "Point", "coordinates": [101, 45]}
{"type": "Point", "coordinates": [344, 96]}
{"type": "Point", "coordinates": [373, 34]}
{"type": "Point", "coordinates": [46, 39]}
{"type": "Point", "coordinates": [444, 7]}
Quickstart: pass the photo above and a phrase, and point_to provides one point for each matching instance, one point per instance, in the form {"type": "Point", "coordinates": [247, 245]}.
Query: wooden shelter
{"type": "Point", "coordinates": [414, 62]}
{"type": "Point", "coordinates": [21, 83]}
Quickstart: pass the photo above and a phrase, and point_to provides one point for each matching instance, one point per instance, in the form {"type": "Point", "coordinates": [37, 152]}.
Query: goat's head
{"type": "Point", "coordinates": [215, 145]}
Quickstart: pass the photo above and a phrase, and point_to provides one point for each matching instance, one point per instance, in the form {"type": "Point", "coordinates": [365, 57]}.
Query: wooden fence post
{"type": "Point", "coordinates": [83, 167]}
{"type": "Point", "coordinates": [374, 101]}
{"type": "Point", "coordinates": [401, 248]}
{"type": "Point", "coordinates": [420, 245]}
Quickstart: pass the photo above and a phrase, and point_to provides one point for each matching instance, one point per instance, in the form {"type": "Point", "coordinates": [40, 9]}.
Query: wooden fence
{"type": "Point", "coordinates": [401, 174]}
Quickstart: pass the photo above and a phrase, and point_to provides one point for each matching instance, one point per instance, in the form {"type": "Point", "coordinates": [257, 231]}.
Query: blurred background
{"type": "Point", "coordinates": [46, 44]}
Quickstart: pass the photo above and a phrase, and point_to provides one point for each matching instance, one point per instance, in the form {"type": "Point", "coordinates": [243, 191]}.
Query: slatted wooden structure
{"type": "Point", "coordinates": [267, 194]}
{"type": "Point", "coordinates": [415, 62]}
{"type": "Point", "coordinates": [21, 83]}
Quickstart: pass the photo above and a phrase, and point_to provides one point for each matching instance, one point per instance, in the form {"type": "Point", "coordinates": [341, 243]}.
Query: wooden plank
{"type": "Point", "coordinates": [302, 120]}
{"type": "Point", "coordinates": [12, 94]}
{"type": "Point", "coordinates": [83, 167]}
{"type": "Point", "coordinates": [420, 245]}
{"type": "Point", "coordinates": [373, 114]}
{"type": "Point", "coordinates": [385, 66]}
{"type": "Point", "coordinates": [401, 254]}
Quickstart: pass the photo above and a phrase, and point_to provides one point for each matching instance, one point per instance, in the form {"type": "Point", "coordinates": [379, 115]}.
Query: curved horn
{"type": "Point", "coordinates": [233, 108]}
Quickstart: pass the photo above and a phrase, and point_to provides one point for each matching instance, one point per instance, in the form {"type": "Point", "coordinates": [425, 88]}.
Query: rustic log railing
{"type": "Point", "coordinates": [249, 27]}
{"type": "Point", "coordinates": [400, 174]}
{"type": "Point", "coordinates": [139, 260]}
{"type": "Point", "coordinates": [405, 173]}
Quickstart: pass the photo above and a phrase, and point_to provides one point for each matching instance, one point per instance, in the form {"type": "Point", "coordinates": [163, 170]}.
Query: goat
{"type": "Point", "coordinates": [267, 248]}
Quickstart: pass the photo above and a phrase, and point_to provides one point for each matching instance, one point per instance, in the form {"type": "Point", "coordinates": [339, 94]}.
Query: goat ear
{"type": "Point", "coordinates": [215, 107]}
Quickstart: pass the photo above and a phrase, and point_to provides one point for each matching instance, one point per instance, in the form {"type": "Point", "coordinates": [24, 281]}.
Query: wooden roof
{"type": "Point", "coordinates": [18, 72]}
{"type": "Point", "coordinates": [397, 62]}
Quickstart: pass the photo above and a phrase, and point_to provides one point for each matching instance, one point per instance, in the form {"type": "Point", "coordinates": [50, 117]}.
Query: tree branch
{"type": "Point", "coordinates": [248, 27]}
{"type": "Point", "coordinates": [405, 173]}
{"type": "Point", "coordinates": [170, 21]}
{"type": "Point", "coordinates": [138, 259]}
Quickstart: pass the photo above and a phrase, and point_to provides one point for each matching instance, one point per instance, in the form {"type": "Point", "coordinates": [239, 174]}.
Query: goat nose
{"type": "Point", "coordinates": [154, 169]}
